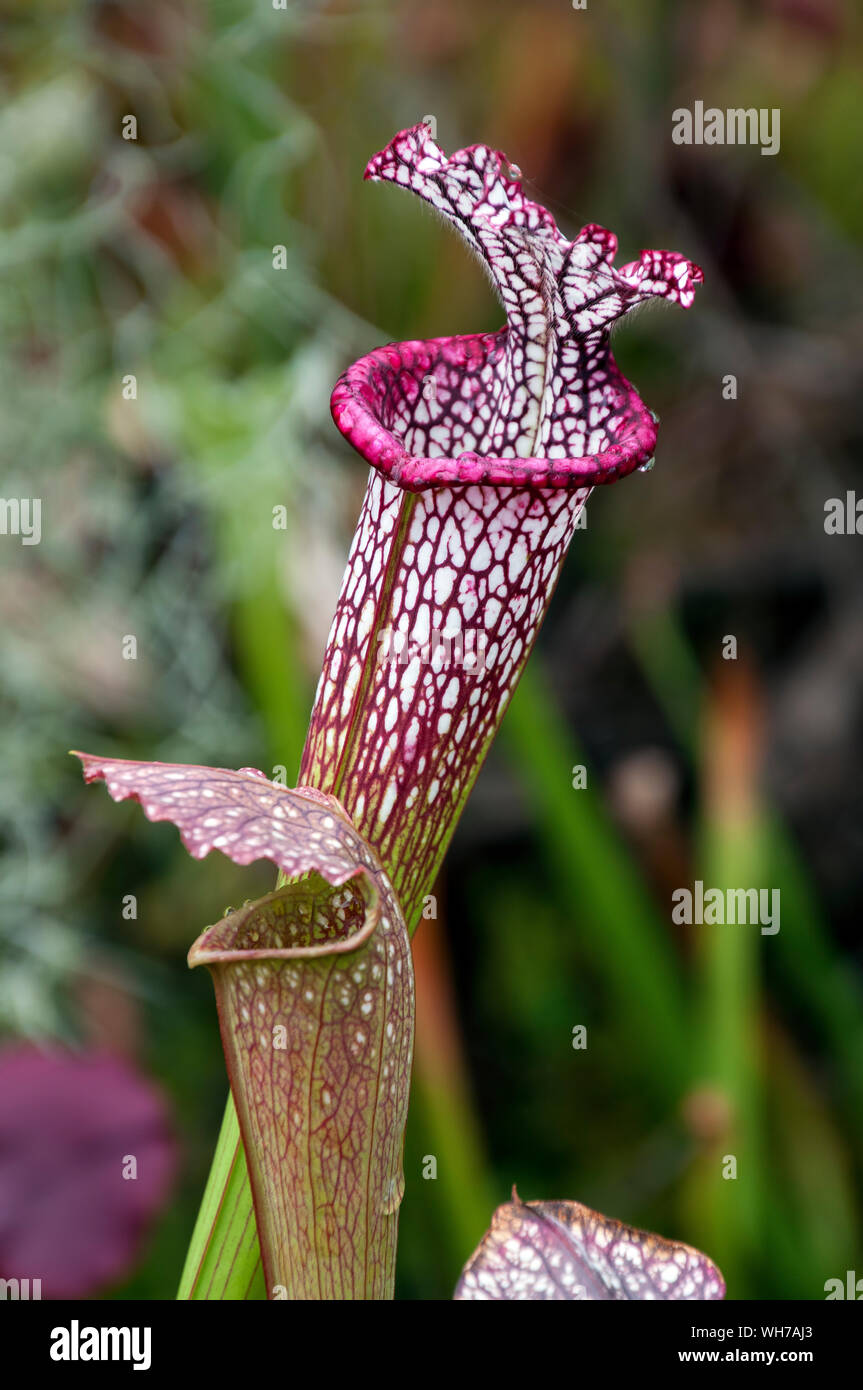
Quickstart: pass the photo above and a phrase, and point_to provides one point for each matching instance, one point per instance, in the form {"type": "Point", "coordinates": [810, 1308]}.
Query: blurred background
{"type": "Point", "coordinates": [163, 387]}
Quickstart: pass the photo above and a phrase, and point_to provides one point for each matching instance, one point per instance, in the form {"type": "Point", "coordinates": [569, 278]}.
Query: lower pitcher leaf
{"type": "Point", "coordinates": [315, 998]}
{"type": "Point", "coordinates": [315, 991]}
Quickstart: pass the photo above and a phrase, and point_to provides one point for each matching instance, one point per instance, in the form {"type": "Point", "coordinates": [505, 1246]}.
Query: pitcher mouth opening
{"type": "Point", "coordinates": [407, 407]}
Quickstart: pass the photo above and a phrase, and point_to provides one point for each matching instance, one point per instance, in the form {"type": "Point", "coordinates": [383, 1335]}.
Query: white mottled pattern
{"type": "Point", "coordinates": [563, 1250]}
{"type": "Point", "coordinates": [404, 771]}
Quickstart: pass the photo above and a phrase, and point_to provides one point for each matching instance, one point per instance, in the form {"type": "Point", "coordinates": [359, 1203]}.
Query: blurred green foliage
{"type": "Point", "coordinates": [153, 258]}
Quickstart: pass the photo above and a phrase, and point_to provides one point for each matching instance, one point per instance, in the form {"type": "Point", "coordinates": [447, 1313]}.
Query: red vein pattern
{"type": "Point", "coordinates": [541, 401]}
{"type": "Point", "coordinates": [478, 563]}
{"type": "Point", "coordinates": [483, 450]}
{"type": "Point", "coordinates": [563, 1250]}
{"type": "Point", "coordinates": [314, 985]}
{"type": "Point", "coordinates": [242, 813]}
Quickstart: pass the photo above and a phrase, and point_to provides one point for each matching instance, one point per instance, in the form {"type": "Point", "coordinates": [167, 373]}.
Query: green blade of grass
{"type": "Point", "coordinates": [821, 982]}
{"type": "Point", "coordinates": [611, 906]}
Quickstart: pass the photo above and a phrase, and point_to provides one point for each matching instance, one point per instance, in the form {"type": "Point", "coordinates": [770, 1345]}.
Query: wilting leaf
{"type": "Point", "coordinates": [314, 986]}
{"type": "Point", "coordinates": [87, 1160]}
{"type": "Point", "coordinates": [562, 1250]}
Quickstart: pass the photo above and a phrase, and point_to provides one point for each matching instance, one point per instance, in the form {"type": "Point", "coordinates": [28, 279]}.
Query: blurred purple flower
{"type": "Point", "coordinates": [87, 1161]}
